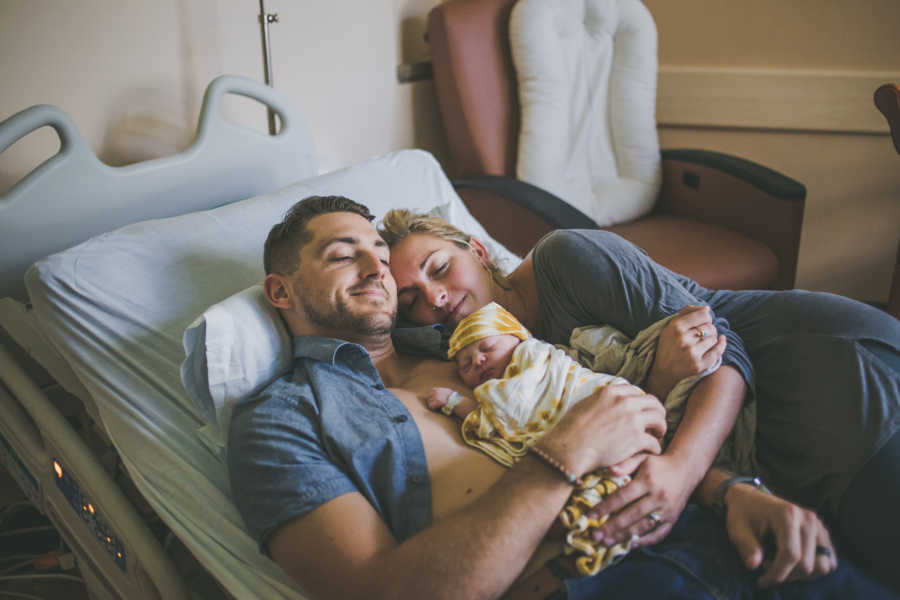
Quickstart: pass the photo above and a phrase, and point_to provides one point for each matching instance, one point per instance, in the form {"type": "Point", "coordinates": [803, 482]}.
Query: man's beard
{"type": "Point", "coordinates": [342, 319]}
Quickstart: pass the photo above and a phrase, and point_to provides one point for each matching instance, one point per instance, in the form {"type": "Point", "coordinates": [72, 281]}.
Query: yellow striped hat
{"type": "Point", "coordinates": [491, 319]}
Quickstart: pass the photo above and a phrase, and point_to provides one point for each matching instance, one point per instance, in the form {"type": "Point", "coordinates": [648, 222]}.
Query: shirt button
{"type": "Point", "coordinates": [399, 419]}
{"type": "Point", "coordinates": [379, 386]}
{"type": "Point", "coordinates": [418, 479]}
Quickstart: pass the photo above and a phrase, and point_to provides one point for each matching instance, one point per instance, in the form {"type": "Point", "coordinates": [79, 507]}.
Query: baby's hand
{"type": "Point", "coordinates": [437, 398]}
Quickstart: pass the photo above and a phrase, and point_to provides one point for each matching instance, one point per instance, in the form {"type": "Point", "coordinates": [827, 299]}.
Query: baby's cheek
{"type": "Point", "coordinates": [470, 380]}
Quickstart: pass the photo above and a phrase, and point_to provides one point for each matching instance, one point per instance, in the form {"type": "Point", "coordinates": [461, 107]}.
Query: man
{"type": "Point", "coordinates": [451, 532]}
{"type": "Point", "coordinates": [356, 489]}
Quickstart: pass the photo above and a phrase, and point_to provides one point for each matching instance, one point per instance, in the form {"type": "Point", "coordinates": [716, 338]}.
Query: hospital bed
{"type": "Point", "coordinates": [109, 279]}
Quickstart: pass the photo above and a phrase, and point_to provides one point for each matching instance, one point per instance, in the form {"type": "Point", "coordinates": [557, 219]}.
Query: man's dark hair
{"type": "Point", "coordinates": [281, 253]}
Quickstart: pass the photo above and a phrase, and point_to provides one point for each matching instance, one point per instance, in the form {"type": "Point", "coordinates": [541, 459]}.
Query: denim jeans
{"type": "Point", "coordinates": [698, 561]}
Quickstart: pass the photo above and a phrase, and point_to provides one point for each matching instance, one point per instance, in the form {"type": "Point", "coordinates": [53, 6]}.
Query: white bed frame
{"type": "Point", "coordinates": [67, 199]}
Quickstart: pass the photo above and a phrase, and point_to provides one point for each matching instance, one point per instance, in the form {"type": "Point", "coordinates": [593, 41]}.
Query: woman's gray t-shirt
{"type": "Point", "coordinates": [825, 403]}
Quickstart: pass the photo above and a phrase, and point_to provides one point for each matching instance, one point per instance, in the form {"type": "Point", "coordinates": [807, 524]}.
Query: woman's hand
{"type": "Point", "coordinates": [659, 487]}
{"type": "Point", "coordinates": [800, 546]}
{"type": "Point", "coordinates": [688, 345]}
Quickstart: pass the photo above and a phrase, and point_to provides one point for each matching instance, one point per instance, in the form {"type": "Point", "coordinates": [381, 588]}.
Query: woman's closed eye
{"type": "Point", "coordinates": [440, 270]}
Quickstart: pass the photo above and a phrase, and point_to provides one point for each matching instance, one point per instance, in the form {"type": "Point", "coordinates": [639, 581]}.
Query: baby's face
{"type": "Point", "coordinates": [485, 359]}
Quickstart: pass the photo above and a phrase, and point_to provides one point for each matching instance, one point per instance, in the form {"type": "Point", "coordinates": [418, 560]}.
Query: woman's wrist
{"type": "Point", "coordinates": [692, 468]}
{"type": "Point", "coordinates": [658, 384]}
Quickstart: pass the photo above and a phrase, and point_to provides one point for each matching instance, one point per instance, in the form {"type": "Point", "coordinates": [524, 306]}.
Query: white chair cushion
{"type": "Point", "coordinates": [586, 71]}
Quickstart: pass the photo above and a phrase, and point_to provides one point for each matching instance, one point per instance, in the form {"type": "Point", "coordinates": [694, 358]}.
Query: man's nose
{"type": "Point", "coordinates": [372, 265]}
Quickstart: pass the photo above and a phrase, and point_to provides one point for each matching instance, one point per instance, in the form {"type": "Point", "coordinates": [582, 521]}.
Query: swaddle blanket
{"type": "Point", "coordinates": [542, 382]}
{"type": "Point", "coordinates": [606, 349]}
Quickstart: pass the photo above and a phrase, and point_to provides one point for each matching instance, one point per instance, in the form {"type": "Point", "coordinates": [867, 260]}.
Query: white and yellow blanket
{"type": "Point", "coordinates": [542, 382]}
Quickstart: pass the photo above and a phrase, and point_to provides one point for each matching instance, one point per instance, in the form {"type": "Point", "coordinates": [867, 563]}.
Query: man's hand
{"type": "Point", "coordinates": [609, 426]}
{"type": "Point", "coordinates": [801, 547]}
{"type": "Point", "coordinates": [688, 345]}
{"type": "Point", "coordinates": [659, 487]}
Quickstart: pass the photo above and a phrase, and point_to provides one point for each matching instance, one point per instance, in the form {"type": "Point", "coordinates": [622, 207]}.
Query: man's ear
{"type": "Point", "coordinates": [278, 291]}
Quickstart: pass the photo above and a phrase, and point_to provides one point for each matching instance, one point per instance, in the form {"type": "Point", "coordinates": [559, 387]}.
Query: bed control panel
{"type": "Point", "coordinates": [89, 513]}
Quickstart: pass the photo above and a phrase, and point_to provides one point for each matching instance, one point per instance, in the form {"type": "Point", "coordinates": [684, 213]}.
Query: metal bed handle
{"type": "Point", "coordinates": [211, 115]}
{"type": "Point", "coordinates": [24, 122]}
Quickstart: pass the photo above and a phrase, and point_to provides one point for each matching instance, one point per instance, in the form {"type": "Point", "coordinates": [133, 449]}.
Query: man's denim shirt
{"type": "Point", "coordinates": [328, 428]}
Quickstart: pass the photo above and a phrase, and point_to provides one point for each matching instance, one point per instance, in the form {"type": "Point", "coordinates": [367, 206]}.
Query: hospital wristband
{"type": "Point", "coordinates": [452, 401]}
{"type": "Point", "coordinates": [572, 478]}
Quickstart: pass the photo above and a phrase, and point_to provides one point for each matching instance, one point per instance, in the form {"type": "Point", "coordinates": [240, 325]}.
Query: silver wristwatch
{"type": "Point", "coordinates": [719, 499]}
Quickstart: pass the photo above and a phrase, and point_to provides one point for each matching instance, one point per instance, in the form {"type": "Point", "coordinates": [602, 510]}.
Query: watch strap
{"type": "Point", "coordinates": [719, 498]}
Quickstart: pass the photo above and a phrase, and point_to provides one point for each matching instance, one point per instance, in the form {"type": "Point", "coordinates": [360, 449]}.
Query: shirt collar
{"type": "Point", "coordinates": [323, 349]}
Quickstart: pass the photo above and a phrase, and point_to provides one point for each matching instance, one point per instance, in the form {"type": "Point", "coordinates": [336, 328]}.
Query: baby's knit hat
{"type": "Point", "coordinates": [491, 319]}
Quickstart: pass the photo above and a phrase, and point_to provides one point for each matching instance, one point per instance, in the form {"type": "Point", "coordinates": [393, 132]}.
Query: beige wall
{"type": "Point", "coordinates": [131, 73]}
{"type": "Point", "coordinates": [822, 60]}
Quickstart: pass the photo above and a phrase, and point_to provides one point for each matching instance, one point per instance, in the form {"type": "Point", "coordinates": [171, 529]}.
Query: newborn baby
{"type": "Point", "coordinates": [523, 387]}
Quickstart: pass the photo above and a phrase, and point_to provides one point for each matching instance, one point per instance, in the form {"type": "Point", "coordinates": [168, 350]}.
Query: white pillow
{"type": "Point", "coordinates": [240, 344]}
{"type": "Point", "coordinates": [232, 350]}
{"type": "Point", "coordinates": [586, 74]}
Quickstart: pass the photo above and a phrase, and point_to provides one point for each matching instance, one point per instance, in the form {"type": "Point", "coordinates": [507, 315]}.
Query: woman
{"type": "Point", "coordinates": [824, 370]}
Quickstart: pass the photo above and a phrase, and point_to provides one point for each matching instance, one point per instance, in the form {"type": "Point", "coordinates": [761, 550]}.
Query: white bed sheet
{"type": "Point", "coordinates": [115, 308]}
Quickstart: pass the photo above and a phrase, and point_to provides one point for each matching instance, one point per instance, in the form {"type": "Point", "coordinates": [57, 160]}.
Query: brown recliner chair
{"type": "Point", "coordinates": [887, 99]}
{"type": "Point", "coordinates": [723, 221]}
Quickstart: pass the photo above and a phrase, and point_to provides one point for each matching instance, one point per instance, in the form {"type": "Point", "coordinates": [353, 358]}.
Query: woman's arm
{"type": "Point", "coordinates": [663, 484]}
{"type": "Point", "coordinates": [597, 277]}
{"type": "Point", "coordinates": [688, 345]}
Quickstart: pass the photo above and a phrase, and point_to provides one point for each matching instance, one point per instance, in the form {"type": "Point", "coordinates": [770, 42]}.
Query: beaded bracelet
{"type": "Point", "coordinates": [569, 476]}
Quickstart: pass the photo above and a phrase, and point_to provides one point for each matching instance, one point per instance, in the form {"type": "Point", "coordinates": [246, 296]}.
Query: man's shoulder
{"type": "Point", "coordinates": [290, 394]}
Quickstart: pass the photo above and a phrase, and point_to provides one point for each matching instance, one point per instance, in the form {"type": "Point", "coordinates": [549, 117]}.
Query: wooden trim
{"type": "Point", "coordinates": [832, 101]}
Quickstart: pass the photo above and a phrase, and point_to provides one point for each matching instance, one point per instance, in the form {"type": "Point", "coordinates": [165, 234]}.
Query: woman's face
{"type": "Point", "coordinates": [437, 281]}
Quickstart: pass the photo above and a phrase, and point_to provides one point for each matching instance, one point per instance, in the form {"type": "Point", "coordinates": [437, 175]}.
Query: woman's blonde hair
{"type": "Point", "coordinates": [398, 223]}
